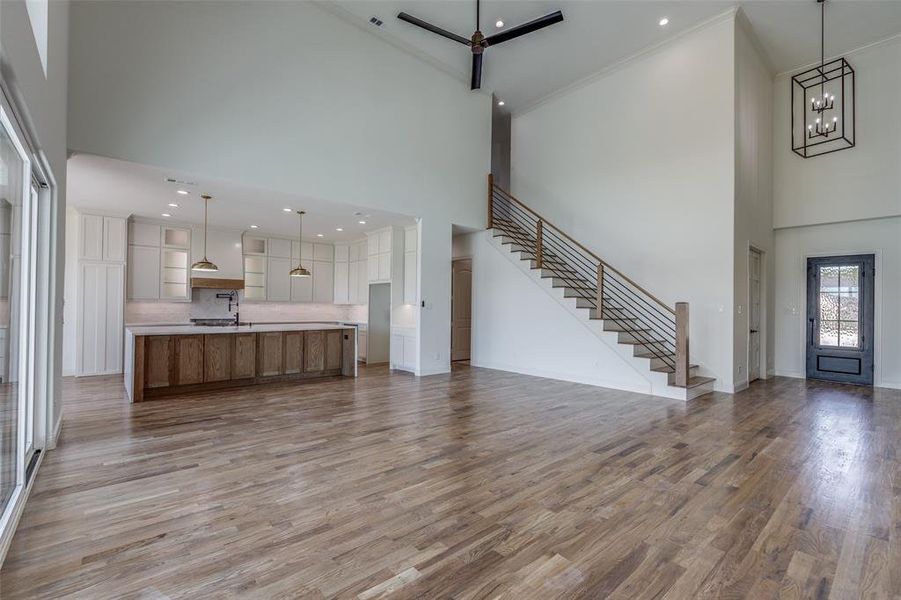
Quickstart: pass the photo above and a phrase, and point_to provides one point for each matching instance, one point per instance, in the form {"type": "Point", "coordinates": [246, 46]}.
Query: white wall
{"type": "Point", "coordinates": [795, 245]}
{"type": "Point", "coordinates": [40, 97]}
{"type": "Point", "coordinates": [639, 165]}
{"type": "Point", "coordinates": [846, 202]}
{"type": "Point", "coordinates": [753, 198]}
{"type": "Point", "coordinates": [260, 94]}
{"type": "Point", "coordinates": [818, 190]}
{"type": "Point", "coordinates": [517, 326]}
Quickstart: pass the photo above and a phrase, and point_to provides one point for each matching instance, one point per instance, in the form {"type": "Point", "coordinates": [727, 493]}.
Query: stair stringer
{"type": "Point", "coordinates": [654, 383]}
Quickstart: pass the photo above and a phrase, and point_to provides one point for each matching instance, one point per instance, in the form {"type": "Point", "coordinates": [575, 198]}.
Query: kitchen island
{"type": "Point", "coordinates": [168, 360]}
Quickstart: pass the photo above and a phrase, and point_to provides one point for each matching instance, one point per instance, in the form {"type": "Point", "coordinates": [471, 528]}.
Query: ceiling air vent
{"type": "Point", "coordinates": [376, 21]}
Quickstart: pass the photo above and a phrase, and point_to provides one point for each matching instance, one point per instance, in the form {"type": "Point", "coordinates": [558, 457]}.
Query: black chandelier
{"type": "Point", "coordinates": [826, 123]}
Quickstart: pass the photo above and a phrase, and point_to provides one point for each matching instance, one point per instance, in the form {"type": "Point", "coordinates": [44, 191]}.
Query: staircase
{"type": "Point", "coordinates": [656, 333]}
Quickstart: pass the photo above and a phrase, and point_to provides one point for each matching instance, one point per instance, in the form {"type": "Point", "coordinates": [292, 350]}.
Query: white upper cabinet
{"type": "Point", "coordinates": [323, 252]}
{"type": "Point", "coordinates": [280, 247]}
{"type": "Point", "coordinates": [385, 241]}
{"type": "Point", "coordinates": [114, 239]}
{"type": "Point", "coordinates": [302, 289]}
{"type": "Point", "coordinates": [278, 279]}
{"type": "Point", "coordinates": [342, 252]}
{"type": "Point", "coordinates": [158, 261]}
{"type": "Point", "coordinates": [411, 243]}
{"type": "Point", "coordinates": [379, 251]}
{"type": "Point", "coordinates": [144, 234]}
{"type": "Point", "coordinates": [91, 230]}
{"type": "Point", "coordinates": [143, 272]}
{"type": "Point", "coordinates": [323, 281]}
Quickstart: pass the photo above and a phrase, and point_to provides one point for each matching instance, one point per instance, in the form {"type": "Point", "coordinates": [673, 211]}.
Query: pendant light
{"type": "Point", "coordinates": [823, 103]}
{"type": "Point", "coordinates": [204, 265]}
{"type": "Point", "coordinates": [299, 270]}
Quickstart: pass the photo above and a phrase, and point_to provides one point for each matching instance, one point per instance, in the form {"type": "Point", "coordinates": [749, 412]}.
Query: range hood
{"type": "Point", "coordinates": [216, 283]}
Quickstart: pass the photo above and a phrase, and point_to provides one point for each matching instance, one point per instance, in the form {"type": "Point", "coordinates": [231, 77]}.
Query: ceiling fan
{"type": "Point", "coordinates": [479, 42]}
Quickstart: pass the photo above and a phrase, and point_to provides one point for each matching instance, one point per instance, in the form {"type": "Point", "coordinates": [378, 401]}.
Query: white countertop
{"type": "Point", "coordinates": [262, 327]}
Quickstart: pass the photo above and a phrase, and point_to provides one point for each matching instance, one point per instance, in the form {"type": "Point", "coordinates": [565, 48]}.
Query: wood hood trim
{"type": "Point", "coordinates": [216, 283]}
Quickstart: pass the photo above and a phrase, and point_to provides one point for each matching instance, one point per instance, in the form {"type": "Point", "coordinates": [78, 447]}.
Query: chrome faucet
{"type": "Point", "coordinates": [232, 299]}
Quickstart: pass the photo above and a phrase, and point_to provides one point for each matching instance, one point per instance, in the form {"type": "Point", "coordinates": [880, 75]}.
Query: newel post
{"type": "Point", "coordinates": [682, 344]}
{"type": "Point", "coordinates": [490, 201]}
{"type": "Point", "coordinates": [539, 243]}
{"type": "Point", "coordinates": [600, 302]}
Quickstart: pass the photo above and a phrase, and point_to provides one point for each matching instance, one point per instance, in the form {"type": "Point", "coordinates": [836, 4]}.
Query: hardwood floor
{"type": "Point", "coordinates": [480, 484]}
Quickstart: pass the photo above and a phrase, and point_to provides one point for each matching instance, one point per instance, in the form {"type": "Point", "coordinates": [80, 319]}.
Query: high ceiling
{"type": "Point", "coordinates": [125, 188]}
{"type": "Point", "coordinates": [599, 33]}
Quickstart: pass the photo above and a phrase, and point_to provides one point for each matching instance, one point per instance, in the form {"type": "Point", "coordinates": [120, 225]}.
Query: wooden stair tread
{"type": "Point", "coordinates": [696, 381]}
{"type": "Point", "coordinates": [668, 369]}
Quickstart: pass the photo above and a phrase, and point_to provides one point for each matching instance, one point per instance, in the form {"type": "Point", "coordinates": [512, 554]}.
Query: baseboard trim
{"type": "Point", "coordinates": [740, 386]}
{"type": "Point", "coordinates": [601, 383]}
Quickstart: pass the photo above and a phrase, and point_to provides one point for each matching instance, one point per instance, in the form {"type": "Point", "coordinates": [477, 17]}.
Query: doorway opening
{"type": "Point", "coordinates": [378, 337]}
{"type": "Point", "coordinates": [755, 260]}
{"type": "Point", "coordinates": [461, 308]}
{"type": "Point", "coordinates": [840, 315]}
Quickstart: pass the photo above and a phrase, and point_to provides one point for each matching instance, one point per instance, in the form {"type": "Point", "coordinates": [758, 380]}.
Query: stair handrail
{"type": "Point", "coordinates": [679, 313]}
{"type": "Point", "coordinates": [581, 247]}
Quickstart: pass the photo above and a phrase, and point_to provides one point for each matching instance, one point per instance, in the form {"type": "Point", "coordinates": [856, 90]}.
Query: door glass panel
{"type": "Point", "coordinates": [839, 298]}
{"type": "Point", "coordinates": [13, 169]}
{"type": "Point", "coordinates": [847, 336]}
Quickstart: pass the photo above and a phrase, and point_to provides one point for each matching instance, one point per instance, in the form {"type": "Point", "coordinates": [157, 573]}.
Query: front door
{"type": "Point", "coordinates": [840, 318]}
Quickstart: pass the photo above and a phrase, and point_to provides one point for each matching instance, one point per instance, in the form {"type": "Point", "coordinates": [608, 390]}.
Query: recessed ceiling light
{"type": "Point", "coordinates": [339, 229]}
{"type": "Point", "coordinates": [361, 222]}
{"type": "Point", "coordinates": [254, 226]}
{"type": "Point", "coordinates": [500, 102]}
{"type": "Point", "coordinates": [183, 192]}
{"type": "Point", "coordinates": [166, 215]}
{"type": "Point", "coordinates": [499, 24]}
{"type": "Point", "coordinates": [286, 209]}
{"type": "Point", "coordinates": [663, 21]}
{"type": "Point", "coordinates": [173, 205]}
{"type": "Point", "coordinates": [319, 235]}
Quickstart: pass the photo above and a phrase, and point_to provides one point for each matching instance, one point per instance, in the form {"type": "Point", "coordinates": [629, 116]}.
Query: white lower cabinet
{"type": "Point", "coordinates": [362, 339]}
{"type": "Point", "coordinates": [403, 350]}
{"type": "Point", "coordinates": [101, 318]}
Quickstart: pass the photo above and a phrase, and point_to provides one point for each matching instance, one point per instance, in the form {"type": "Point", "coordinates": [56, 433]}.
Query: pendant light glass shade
{"type": "Point", "coordinates": [205, 264]}
{"type": "Point", "coordinates": [299, 270]}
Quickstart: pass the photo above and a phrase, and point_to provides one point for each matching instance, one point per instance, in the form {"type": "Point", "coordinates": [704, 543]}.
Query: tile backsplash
{"type": "Point", "coordinates": [205, 304]}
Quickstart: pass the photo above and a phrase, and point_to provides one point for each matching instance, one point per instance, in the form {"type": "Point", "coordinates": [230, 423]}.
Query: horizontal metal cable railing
{"type": "Point", "coordinates": [615, 297]}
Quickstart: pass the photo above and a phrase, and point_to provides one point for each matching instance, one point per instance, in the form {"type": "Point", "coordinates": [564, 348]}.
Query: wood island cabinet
{"type": "Point", "coordinates": [169, 364]}
{"type": "Point", "coordinates": [244, 355]}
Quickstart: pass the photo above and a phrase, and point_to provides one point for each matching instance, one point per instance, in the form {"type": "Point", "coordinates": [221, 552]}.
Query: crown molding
{"type": "Point", "coordinates": [804, 67]}
{"type": "Point", "coordinates": [728, 15]}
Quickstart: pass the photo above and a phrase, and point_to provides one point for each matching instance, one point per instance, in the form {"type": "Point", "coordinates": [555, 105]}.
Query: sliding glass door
{"type": "Point", "coordinates": [18, 229]}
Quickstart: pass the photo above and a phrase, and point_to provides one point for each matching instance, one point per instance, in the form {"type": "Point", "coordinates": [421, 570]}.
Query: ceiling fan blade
{"type": "Point", "coordinates": [434, 29]}
{"type": "Point", "coordinates": [515, 32]}
{"type": "Point", "coordinates": [476, 81]}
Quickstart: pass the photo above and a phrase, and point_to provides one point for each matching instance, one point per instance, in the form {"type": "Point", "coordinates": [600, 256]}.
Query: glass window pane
{"type": "Point", "coordinates": [828, 306]}
{"type": "Point", "coordinates": [849, 278]}
{"type": "Point", "coordinates": [848, 334]}
{"type": "Point", "coordinates": [848, 304]}
{"type": "Point", "coordinates": [828, 333]}
{"type": "Point", "coordinates": [828, 279]}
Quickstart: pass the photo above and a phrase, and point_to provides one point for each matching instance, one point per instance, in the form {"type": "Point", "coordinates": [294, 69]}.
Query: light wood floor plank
{"type": "Point", "coordinates": [475, 485]}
